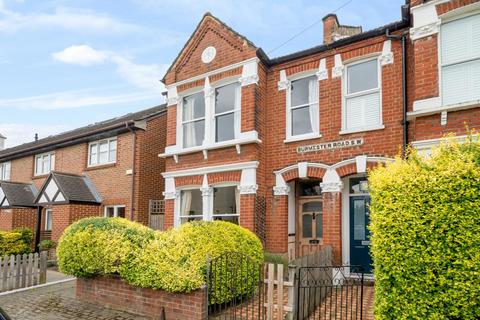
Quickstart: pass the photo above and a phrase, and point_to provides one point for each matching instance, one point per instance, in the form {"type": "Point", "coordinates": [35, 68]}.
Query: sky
{"type": "Point", "coordinates": [66, 64]}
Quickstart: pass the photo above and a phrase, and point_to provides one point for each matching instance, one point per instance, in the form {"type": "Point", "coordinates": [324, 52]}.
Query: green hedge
{"type": "Point", "coordinates": [17, 241]}
{"type": "Point", "coordinates": [100, 246]}
{"type": "Point", "coordinates": [425, 224]}
{"type": "Point", "coordinates": [174, 260]}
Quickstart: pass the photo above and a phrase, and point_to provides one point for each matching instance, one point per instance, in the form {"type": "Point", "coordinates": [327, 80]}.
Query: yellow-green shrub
{"type": "Point", "coordinates": [425, 223]}
{"type": "Point", "coordinates": [17, 241]}
{"type": "Point", "coordinates": [176, 260]}
{"type": "Point", "coordinates": [99, 246]}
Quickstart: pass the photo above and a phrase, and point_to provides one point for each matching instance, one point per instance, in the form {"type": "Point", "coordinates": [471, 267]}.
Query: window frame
{"type": "Point", "coordinates": [51, 155]}
{"type": "Point", "coordinates": [448, 18]}
{"type": "Point", "coordinates": [346, 95]}
{"type": "Point", "coordinates": [115, 210]}
{"type": "Point", "coordinates": [207, 213]}
{"type": "Point", "coordinates": [289, 137]}
{"type": "Point", "coordinates": [210, 115]}
{"type": "Point", "coordinates": [236, 111]}
{"type": "Point", "coordinates": [5, 171]}
{"type": "Point", "coordinates": [97, 143]}
{"type": "Point", "coordinates": [48, 225]}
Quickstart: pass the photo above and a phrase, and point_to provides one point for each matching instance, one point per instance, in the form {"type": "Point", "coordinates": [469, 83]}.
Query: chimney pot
{"type": "Point", "coordinates": [36, 136]}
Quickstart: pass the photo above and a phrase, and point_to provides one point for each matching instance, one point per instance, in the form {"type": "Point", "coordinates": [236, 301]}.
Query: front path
{"type": "Point", "coordinates": [57, 302]}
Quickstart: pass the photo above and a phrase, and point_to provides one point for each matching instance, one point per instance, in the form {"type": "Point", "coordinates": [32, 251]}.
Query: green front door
{"type": "Point", "coordinates": [359, 233]}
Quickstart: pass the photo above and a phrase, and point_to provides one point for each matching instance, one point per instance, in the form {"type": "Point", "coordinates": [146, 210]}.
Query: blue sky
{"type": "Point", "coordinates": [64, 64]}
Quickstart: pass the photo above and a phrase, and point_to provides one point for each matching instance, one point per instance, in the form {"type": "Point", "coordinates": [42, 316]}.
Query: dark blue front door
{"type": "Point", "coordinates": [359, 233]}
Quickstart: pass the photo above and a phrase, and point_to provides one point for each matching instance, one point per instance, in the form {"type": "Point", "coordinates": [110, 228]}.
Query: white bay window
{"type": "Point", "coordinates": [362, 110]}
{"type": "Point", "coordinates": [44, 163]}
{"type": "Point", "coordinates": [303, 109]}
{"type": "Point", "coordinates": [221, 203]}
{"type": "Point", "coordinates": [460, 60]}
{"type": "Point", "coordinates": [5, 169]}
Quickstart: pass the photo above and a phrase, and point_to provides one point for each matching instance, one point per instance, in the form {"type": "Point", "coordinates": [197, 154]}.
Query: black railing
{"type": "Point", "coordinates": [235, 287]}
{"type": "Point", "coordinates": [330, 292]}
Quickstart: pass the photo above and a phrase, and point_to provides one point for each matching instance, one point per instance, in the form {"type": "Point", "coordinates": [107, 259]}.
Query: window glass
{"type": "Point", "coordinates": [359, 220]}
{"type": "Point", "coordinates": [112, 152]}
{"type": "Point", "coordinates": [359, 185]}
{"type": "Point", "coordinates": [301, 92]}
{"type": "Point", "coordinates": [193, 133]}
{"type": "Point", "coordinates": [307, 225]}
{"type": "Point", "coordinates": [363, 76]}
{"type": "Point", "coordinates": [110, 212]}
{"type": "Point", "coordinates": [301, 121]}
{"type": "Point", "coordinates": [225, 98]}
{"type": "Point", "coordinates": [319, 225]}
{"type": "Point", "coordinates": [309, 188]}
{"type": "Point", "coordinates": [225, 203]}
{"type": "Point", "coordinates": [115, 211]}
{"type": "Point", "coordinates": [103, 152]}
{"type": "Point", "coordinates": [5, 169]}
{"type": "Point", "coordinates": [225, 127]}
{"type": "Point", "coordinates": [48, 220]}
{"type": "Point", "coordinates": [44, 163]}
{"type": "Point", "coordinates": [93, 154]}
{"type": "Point", "coordinates": [121, 212]}
{"type": "Point", "coordinates": [191, 205]}
{"type": "Point", "coordinates": [194, 106]}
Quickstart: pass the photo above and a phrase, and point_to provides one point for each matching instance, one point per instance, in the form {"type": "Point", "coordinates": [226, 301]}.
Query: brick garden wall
{"type": "Point", "coordinates": [112, 292]}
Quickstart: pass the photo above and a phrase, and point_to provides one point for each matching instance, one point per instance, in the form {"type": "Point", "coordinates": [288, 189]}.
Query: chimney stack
{"type": "Point", "coordinates": [2, 142]}
{"type": "Point", "coordinates": [333, 30]}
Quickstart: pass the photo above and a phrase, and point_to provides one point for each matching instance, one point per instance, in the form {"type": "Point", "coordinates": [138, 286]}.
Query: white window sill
{"type": "Point", "coordinates": [349, 131]}
{"type": "Point", "coordinates": [302, 137]}
{"type": "Point", "coordinates": [439, 109]}
{"type": "Point", "coordinates": [175, 151]}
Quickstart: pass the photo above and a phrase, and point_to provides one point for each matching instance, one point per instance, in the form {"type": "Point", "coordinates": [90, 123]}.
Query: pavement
{"type": "Point", "coordinates": [56, 301]}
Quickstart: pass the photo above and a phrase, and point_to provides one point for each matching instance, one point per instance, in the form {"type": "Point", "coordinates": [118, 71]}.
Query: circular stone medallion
{"type": "Point", "coordinates": [209, 54]}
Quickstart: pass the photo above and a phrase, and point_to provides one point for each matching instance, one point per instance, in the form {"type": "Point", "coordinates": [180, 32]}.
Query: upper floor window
{"type": "Point", "coordinates": [102, 152]}
{"type": "Point", "coordinates": [44, 163]}
{"type": "Point", "coordinates": [5, 169]}
{"type": "Point", "coordinates": [302, 108]}
{"type": "Point", "coordinates": [227, 107]}
{"type": "Point", "coordinates": [362, 96]}
{"type": "Point", "coordinates": [193, 120]}
{"type": "Point", "coordinates": [460, 60]}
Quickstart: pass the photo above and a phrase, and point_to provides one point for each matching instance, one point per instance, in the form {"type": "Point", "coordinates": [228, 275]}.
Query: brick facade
{"type": "Point", "coordinates": [115, 293]}
{"type": "Point", "coordinates": [116, 183]}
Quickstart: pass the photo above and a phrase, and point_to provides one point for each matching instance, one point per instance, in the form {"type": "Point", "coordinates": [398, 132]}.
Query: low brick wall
{"type": "Point", "coordinates": [113, 292]}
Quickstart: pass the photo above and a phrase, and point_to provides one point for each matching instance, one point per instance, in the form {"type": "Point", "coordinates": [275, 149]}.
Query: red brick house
{"type": "Point", "coordinates": [281, 146]}
{"type": "Point", "coordinates": [278, 145]}
{"type": "Point", "coordinates": [108, 168]}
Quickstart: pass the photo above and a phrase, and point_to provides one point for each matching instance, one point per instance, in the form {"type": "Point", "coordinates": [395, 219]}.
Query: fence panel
{"type": "Point", "coordinates": [22, 271]}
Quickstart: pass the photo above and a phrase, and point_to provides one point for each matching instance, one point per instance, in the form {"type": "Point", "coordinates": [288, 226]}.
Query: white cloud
{"type": "Point", "coordinates": [21, 133]}
{"type": "Point", "coordinates": [75, 99]}
{"type": "Point", "coordinates": [66, 18]}
{"type": "Point", "coordinates": [82, 55]}
{"type": "Point", "coordinates": [144, 76]}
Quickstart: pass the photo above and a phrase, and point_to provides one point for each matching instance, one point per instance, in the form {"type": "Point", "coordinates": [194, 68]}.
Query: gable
{"type": "Point", "coordinates": [229, 48]}
{"type": "Point", "coordinates": [51, 193]}
{"type": "Point", "coordinates": [3, 199]}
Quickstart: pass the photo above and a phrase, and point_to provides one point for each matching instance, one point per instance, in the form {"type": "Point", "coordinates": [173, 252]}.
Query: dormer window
{"type": "Point", "coordinates": [227, 109]}
{"type": "Point", "coordinates": [193, 120]}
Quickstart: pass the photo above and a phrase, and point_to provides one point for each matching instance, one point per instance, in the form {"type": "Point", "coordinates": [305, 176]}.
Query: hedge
{"type": "Point", "coordinates": [100, 246]}
{"type": "Point", "coordinates": [174, 260]}
{"type": "Point", "coordinates": [17, 241]}
{"type": "Point", "coordinates": [425, 224]}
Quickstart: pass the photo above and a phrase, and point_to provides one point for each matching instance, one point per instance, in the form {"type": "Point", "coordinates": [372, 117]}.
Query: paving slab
{"type": "Point", "coordinates": [55, 302]}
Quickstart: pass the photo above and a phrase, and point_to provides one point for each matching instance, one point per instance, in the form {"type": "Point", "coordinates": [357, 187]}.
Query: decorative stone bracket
{"type": "Point", "coordinates": [337, 70]}
{"type": "Point", "coordinates": [387, 54]}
